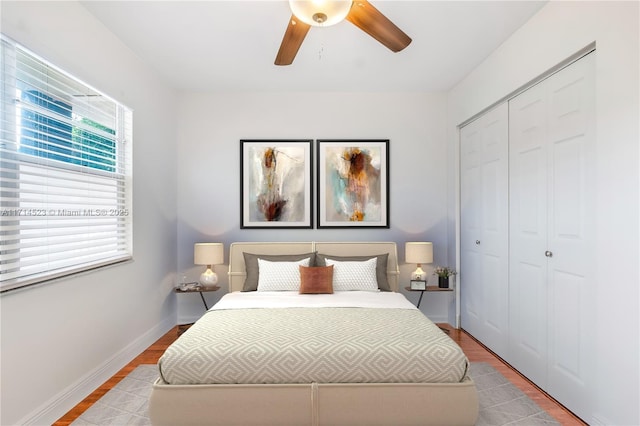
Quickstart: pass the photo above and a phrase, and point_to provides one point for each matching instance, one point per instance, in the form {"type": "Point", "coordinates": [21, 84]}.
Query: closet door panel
{"type": "Point", "coordinates": [484, 227]}
{"type": "Point", "coordinates": [527, 321]}
{"type": "Point", "coordinates": [495, 228]}
{"type": "Point", "coordinates": [571, 160]}
{"type": "Point", "coordinates": [494, 292]}
{"type": "Point", "coordinates": [472, 301]}
{"type": "Point", "coordinates": [528, 233]}
{"type": "Point", "coordinates": [493, 219]}
{"type": "Point", "coordinates": [570, 235]}
{"type": "Point", "coordinates": [470, 228]}
{"type": "Point", "coordinates": [566, 338]}
{"type": "Point", "coordinates": [494, 241]}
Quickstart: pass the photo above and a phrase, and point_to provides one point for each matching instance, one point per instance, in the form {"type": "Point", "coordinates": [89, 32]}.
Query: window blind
{"type": "Point", "coordinates": [65, 173]}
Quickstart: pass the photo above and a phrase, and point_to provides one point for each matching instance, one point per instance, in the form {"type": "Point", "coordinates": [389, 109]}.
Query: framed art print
{"type": "Point", "coordinates": [276, 184]}
{"type": "Point", "coordinates": [353, 183]}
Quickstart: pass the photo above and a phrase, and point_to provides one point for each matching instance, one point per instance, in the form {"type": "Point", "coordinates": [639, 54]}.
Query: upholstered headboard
{"type": "Point", "coordinates": [237, 272]}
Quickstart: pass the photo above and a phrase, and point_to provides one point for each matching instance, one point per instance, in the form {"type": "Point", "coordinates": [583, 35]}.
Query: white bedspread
{"type": "Point", "coordinates": [291, 299]}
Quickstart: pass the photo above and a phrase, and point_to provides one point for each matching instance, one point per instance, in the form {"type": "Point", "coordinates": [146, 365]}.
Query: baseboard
{"type": "Point", "coordinates": [439, 319]}
{"type": "Point", "coordinates": [598, 420]}
{"type": "Point", "coordinates": [188, 319]}
{"type": "Point", "coordinates": [60, 404]}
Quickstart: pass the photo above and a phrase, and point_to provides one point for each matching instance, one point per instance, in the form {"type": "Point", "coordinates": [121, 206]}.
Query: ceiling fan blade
{"type": "Point", "coordinates": [370, 20]}
{"type": "Point", "coordinates": [292, 40]}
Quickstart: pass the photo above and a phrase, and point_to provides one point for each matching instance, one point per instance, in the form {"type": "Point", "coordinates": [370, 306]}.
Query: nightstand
{"type": "Point", "coordinates": [198, 289]}
{"type": "Point", "coordinates": [194, 289]}
{"type": "Point", "coordinates": [429, 288]}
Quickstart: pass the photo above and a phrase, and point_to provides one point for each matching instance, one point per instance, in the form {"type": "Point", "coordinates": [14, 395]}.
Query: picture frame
{"type": "Point", "coordinates": [418, 285]}
{"type": "Point", "coordinates": [353, 183]}
{"type": "Point", "coordinates": [276, 183]}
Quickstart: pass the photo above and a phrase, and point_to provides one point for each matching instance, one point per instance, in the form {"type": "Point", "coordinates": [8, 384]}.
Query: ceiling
{"type": "Point", "coordinates": [230, 45]}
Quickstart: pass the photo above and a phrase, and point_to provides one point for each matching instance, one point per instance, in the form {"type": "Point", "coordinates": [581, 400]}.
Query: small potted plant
{"type": "Point", "coordinates": [443, 273]}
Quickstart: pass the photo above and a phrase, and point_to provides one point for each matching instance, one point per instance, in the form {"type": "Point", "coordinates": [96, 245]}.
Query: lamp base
{"type": "Point", "coordinates": [419, 274]}
{"type": "Point", "coordinates": [208, 278]}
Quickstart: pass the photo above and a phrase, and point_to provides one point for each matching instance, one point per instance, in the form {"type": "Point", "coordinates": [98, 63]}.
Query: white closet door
{"type": "Point", "coordinates": [571, 226]}
{"type": "Point", "coordinates": [470, 277]}
{"type": "Point", "coordinates": [484, 227]}
{"type": "Point", "coordinates": [528, 233]}
{"type": "Point", "coordinates": [552, 283]}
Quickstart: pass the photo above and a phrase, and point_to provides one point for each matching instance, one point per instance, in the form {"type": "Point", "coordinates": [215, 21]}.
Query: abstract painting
{"type": "Point", "coordinates": [276, 183]}
{"type": "Point", "coordinates": [353, 183]}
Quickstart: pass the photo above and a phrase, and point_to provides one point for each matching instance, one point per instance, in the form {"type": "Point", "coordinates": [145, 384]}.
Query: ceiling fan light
{"type": "Point", "coordinates": [320, 12]}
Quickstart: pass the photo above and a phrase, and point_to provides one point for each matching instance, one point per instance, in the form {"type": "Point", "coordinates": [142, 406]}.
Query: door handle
{"type": "Point", "coordinates": [477, 242]}
{"type": "Point", "coordinates": [548, 253]}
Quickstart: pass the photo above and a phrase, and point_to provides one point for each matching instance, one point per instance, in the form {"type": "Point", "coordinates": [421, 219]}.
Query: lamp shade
{"type": "Point", "coordinates": [320, 12]}
{"type": "Point", "coordinates": [208, 254]}
{"type": "Point", "coordinates": [416, 252]}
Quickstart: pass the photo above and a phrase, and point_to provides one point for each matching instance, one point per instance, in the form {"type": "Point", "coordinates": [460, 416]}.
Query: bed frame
{"type": "Point", "coordinates": [317, 403]}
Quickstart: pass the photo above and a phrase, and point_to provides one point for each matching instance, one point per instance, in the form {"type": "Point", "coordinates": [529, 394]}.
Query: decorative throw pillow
{"type": "Point", "coordinates": [381, 266]}
{"type": "Point", "coordinates": [251, 265]}
{"type": "Point", "coordinates": [348, 276]}
{"type": "Point", "coordinates": [316, 279]}
{"type": "Point", "coordinates": [280, 276]}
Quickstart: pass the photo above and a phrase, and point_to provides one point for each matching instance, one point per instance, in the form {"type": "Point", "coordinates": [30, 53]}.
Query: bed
{"type": "Point", "coordinates": [366, 382]}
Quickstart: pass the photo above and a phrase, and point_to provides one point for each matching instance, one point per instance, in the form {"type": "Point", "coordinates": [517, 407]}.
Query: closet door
{"type": "Point", "coordinates": [484, 226]}
{"type": "Point", "coordinates": [571, 234]}
{"type": "Point", "coordinates": [528, 233]}
{"type": "Point", "coordinates": [552, 283]}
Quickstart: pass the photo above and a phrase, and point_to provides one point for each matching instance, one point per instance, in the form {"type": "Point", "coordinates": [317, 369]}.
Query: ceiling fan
{"type": "Point", "coordinates": [361, 13]}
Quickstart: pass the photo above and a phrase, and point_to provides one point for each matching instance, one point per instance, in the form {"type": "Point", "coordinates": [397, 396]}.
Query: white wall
{"type": "Point", "coordinates": [211, 126]}
{"type": "Point", "coordinates": [555, 33]}
{"type": "Point", "coordinates": [63, 339]}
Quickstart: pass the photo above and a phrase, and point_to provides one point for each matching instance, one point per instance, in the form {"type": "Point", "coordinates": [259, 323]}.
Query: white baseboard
{"type": "Point", "coordinates": [188, 319]}
{"type": "Point", "coordinates": [598, 420]}
{"type": "Point", "coordinates": [439, 319]}
{"type": "Point", "coordinates": [60, 404]}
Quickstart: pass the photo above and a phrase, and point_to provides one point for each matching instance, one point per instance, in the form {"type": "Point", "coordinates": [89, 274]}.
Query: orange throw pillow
{"type": "Point", "coordinates": [316, 279]}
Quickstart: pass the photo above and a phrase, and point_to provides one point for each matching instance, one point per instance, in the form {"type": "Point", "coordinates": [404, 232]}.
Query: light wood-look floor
{"type": "Point", "coordinates": [474, 351]}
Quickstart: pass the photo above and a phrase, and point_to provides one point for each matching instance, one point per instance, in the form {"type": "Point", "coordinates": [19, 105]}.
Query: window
{"type": "Point", "coordinates": [65, 173]}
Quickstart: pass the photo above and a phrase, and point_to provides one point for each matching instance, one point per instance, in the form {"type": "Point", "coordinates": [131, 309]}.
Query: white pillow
{"type": "Point", "coordinates": [352, 275]}
{"type": "Point", "coordinates": [280, 276]}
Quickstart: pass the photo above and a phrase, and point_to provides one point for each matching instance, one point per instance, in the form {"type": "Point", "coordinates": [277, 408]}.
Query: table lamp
{"type": "Point", "coordinates": [208, 254]}
{"type": "Point", "coordinates": [419, 253]}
